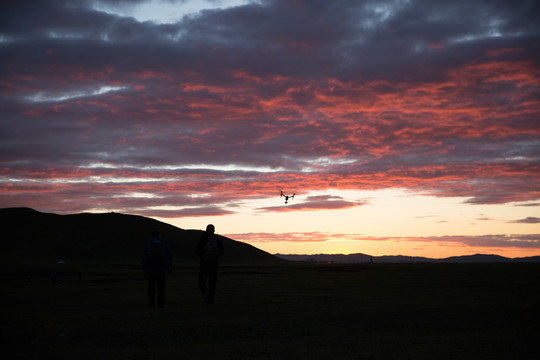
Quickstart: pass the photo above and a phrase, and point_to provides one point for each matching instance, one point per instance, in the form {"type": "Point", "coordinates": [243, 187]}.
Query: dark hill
{"type": "Point", "coordinates": [110, 238]}
{"type": "Point", "coordinates": [363, 258]}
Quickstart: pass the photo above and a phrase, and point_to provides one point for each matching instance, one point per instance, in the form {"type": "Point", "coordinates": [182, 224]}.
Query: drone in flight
{"type": "Point", "coordinates": [287, 197]}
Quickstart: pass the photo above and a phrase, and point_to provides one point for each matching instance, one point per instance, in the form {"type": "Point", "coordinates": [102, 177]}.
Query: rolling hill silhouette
{"type": "Point", "coordinates": [108, 238]}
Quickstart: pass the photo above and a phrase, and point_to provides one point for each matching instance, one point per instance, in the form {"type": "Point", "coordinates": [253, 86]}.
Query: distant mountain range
{"type": "Point", "coordinates": [363, 258]}
{"type": "Point", "coordinates": [32, 237]}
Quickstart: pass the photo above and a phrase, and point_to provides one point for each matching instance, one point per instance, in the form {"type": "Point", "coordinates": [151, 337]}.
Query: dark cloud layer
{"type": "Point", "coordinates": [437, 96]}
{"type": "Point", "coordinates": [528, 220]}
{"type": "Point", "coordinates": [323, 202]}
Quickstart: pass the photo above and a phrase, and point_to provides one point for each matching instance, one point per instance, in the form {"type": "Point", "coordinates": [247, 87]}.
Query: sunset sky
{"type": "Point", "coordinates": [403, 127]}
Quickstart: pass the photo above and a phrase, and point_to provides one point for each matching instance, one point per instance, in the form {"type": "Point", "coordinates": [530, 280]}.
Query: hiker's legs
{"type": "Point", "coordinates": [160, 282]}
{"type": "Point", "coordinates": [212, 280]}
{"type": "Point", "coordinates": [203, 276]}
{"type": "Point", "coordinates": [152, 290]}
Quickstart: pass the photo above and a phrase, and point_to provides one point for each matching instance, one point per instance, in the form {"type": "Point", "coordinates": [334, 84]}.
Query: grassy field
{"type": "Point", "coordinates": [375, 311]}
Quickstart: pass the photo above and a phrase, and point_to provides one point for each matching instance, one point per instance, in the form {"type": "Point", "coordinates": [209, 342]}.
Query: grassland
{"type": "Point", "coordinates": [375, 311]}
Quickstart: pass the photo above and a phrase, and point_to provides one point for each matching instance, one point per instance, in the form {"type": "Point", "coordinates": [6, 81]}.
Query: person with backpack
{"type": "Point", "coordinates": [209, 249]}
{"type": "Point", "coordinates": [156, 263]}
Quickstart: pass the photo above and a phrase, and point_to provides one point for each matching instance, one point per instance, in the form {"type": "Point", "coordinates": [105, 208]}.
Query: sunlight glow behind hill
{"type": "Point", "coordinates": [385, 222]}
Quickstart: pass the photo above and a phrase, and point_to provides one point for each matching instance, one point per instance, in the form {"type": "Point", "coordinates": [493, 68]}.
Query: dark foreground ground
{"type": "Point", "coordinates": [408, 311]}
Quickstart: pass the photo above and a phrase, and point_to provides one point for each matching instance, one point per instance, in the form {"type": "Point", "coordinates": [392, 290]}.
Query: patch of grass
{"type": "Point", "coordinates": [375, 311]}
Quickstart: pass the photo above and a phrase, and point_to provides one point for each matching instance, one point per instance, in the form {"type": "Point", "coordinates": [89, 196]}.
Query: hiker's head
{"type": "Point", "coordinates": [210, 229]}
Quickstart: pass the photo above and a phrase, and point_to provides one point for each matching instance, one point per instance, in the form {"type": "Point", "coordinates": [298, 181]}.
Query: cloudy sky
{"type": "Point", "coordinates": [402, 127]}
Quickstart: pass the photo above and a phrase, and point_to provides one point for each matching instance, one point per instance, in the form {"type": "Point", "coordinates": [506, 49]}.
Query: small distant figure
{"type": "Point", "coordinates": [209, 249]}
{"type": "Point", "coordinates": [54, 280]}
{"type": "Point", "coordinates": [156, 263]}
{"type": "Point", "coordinates": [287, 197]}
{"type": "Point", "coordinates": [371, 260]}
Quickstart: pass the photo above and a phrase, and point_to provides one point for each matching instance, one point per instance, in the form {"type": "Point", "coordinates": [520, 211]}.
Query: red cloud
{"type": "Point", "coordinates": [458, 120]}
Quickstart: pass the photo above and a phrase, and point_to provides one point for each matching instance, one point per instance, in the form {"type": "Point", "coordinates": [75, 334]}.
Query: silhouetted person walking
{"type": "Point", "coordinates": [209, 249]}
{"type": "Point", "coordinates": [156, 263]}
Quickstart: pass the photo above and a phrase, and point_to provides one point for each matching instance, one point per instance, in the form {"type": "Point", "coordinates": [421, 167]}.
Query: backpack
{"type": "Point", "coordinates": [211, 249]}
{"type": "Point", "coordinates": [156, 257]}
